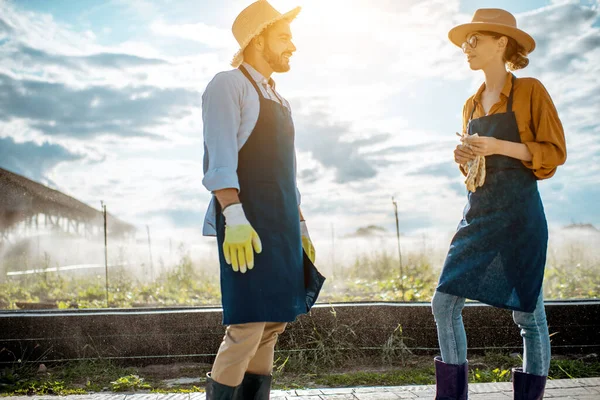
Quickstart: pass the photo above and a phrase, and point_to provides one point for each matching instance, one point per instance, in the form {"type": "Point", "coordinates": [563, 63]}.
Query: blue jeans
{"type": "Point", "coordinates": [447, 310]}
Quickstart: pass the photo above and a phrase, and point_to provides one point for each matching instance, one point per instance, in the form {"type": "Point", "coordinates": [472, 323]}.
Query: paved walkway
{"type": "Point", "coordinates": [571, 389]}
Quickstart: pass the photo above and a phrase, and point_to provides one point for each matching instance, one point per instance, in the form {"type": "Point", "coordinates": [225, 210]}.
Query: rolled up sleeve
{"type": "Point", "coordinates": [221, 117]}
{"type": "Point", "coordinates": [549, 149]}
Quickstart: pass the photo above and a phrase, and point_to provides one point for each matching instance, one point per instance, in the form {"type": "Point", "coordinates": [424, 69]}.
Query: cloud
{"type": "Point", "coordinates": [37, 30]}
{"type": "Point", "coordinates": [580, 206]}
{"type": "Point", "coordinates": [31, 159]}
{"type": "Point", "coordinates": [5, 27]}
{"type": "Point", "coordinates": [308, 175]}
{"type": "Point", "coordinates": [567, 61]}
{"type": "Point", "coordinates": [459, 188]}
{"type": "Point", "coordinates": [373, 105]}
{"type": "Point", "coordinates": [30, 55]}
{"type": "Point", "coordinates": [324, 140]}
{"type": "Point", "coordinates": [182, 218]}
{"type": "Point", "coordinates": [56, 109]}
{"type": "Point", "coordinates": [445, 169]}
{"type": "Point", "coordinates": [210, 36]}
{"type": "Point", "coordinates": [409, 149]}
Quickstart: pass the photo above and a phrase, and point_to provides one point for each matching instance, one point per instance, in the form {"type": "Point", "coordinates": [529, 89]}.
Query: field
{"type": "Point", "coordinates": [370, 271]}
{"type": "Point", "coordinates": [572, 272]}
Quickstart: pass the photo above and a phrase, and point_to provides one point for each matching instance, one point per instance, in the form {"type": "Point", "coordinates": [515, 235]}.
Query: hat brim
{"type": "Point", "coordinates": [238, 58]}
{"type": "Point", "coordinates": [458, 34]}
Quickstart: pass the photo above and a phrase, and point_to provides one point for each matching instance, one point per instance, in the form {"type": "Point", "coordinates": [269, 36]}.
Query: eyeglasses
{"type": "Point", "coordinates": [471, 42]}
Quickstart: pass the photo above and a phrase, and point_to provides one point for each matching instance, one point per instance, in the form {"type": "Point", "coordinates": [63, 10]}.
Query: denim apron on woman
{"type": "Point", "coordinates": [498, 253]}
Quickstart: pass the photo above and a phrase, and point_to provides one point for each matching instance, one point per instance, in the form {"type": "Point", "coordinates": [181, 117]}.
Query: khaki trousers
{"type": "Point", "coordinates": [246, 348]}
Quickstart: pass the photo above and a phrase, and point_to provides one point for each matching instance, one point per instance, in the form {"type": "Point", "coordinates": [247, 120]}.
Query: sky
{"type": "Point", "coordinates": [101, 99]}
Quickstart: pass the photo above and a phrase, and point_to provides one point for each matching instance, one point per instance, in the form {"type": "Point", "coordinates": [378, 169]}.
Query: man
{"type": "Point", "coordinates": [250, 167]}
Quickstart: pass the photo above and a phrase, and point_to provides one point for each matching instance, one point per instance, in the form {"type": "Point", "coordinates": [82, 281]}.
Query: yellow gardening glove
{"type": "Point", "coordinates": [241, 240]}
{"type": "Point", "coordinates": [307, 245]}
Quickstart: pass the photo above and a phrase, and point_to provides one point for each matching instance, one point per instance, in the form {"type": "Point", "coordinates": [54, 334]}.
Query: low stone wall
{"type": "Point", "coordinates": [147, 335]}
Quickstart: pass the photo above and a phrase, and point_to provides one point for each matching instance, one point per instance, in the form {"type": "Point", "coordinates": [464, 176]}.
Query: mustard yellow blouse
{"type": "Point", "coordinates": [539, 126]}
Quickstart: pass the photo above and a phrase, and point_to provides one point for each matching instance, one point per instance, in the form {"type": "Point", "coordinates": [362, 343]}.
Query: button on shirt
{"type": "Point", "coordinates": [540, 128]}
{"type": "Point", "coordinates": [230, 108]}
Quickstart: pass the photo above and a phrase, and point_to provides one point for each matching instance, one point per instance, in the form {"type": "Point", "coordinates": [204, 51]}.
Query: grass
{"type": "Point", "coordinates": [318, 347]}
{"type": "Point", "coordinates": [71, 378]}
{"type": "Point", "coordinates": [570, 369]}
{"type": "Point", "coordinates": [32, 388]}
{"type": "Point", "coordinates": [370, 277]}
{"type": "Point", "coordinates": [184, 285]}
{"type": "Point", "coordinates": [104, 375]}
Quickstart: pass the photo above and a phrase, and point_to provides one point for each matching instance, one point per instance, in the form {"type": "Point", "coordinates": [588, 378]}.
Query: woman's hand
{"type": "Point", "coordinates": [463, 154]}
{"type": "Point", "coordinates": [482, 145]}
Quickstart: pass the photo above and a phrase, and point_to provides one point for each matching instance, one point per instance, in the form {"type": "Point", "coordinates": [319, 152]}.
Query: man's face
{"type": "Point", "coordinates": [278, 46]}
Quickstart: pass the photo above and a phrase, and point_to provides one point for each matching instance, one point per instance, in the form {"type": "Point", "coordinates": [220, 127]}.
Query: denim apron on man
{"type": "Point", "coordinates": [283, 283]}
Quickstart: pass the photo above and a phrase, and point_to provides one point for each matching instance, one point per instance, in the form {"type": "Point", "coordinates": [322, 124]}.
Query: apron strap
{"type": "Point", "coordinates": [510, 96]}
{"type": "Point", "coordinates": [508, 105]}
{"type": "Point", "coordinates": [473, 110]}
{"type": "Point", "coordinates": [252, 81]}
{"type": "Point", "coordinates": [278, 98]}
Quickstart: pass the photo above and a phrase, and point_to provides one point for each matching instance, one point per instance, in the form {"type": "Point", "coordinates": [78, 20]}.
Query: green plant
{"type": "Point", "coordinates": [129, 382]}
{"type": "Point", "coordinates": [31, 388]}
{"type": "Point", "coordinates": [319, 347]}
{"type": "Point", "coordinates": [394, 348]}
{"type": "Point", "coordinates": [569, 369]}
{"type": "Point", "coordinates": [494, 375]}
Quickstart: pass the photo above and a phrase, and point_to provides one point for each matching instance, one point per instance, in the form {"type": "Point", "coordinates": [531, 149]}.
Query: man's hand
{"type": "Point", "coordinates": [241, 240]}
{"type": "Point", "coordinates": [307, 245]}
{"type": "Point", "coordinates": [463, 154]}
{"type": "Point", "coordinates": [482, 145]}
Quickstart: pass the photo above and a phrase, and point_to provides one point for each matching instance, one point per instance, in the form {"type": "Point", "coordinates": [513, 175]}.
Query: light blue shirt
{"type": "Point", "coordinates": [230, 108]}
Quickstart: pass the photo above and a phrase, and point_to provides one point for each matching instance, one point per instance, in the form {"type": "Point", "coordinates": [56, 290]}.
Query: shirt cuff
{"type": "Point", "coordinates": [221, 178]}
{"type": "Point", "coordinates": [536, 155]}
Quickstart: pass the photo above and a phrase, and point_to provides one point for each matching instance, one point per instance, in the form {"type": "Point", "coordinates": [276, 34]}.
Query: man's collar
{"type": "Point", "coordinates": [257, 76]}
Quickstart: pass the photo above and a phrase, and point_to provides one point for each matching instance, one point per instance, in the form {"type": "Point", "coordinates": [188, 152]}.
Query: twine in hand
{"type": "Point", "coordinates": [475, 169]}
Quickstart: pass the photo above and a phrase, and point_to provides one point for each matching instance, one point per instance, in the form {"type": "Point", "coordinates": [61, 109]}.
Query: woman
{"type": "Point", "coordinates": [498, 253]}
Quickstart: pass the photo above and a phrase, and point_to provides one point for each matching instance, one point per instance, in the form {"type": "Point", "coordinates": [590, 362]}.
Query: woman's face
{"type": "Point", "coordinates": [482, 50]}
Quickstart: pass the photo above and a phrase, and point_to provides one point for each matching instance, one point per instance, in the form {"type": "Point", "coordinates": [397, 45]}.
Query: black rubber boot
{"type": "Point", "coordinates": [254, 387]}
{"type": "Point", "coordinates": [217, 391]}
{"type": "Point", "coordinates": [451, 381]}
{"type": "Point", "coordinates": [527, 386]}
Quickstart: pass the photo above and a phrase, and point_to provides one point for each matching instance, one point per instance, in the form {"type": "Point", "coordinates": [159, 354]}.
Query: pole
{"type": "Point", "coordinates": [399, 249]}
{"type": "Point", "coordinates": [333, 251]}
{"type": "Point", "coordinates": [105, 251]}
{"type": "Point", "coordinates": [150, 253]}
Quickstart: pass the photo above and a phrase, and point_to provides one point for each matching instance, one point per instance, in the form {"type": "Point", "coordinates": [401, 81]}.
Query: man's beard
{"type": "Point", "coordinates": [276, 61]}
